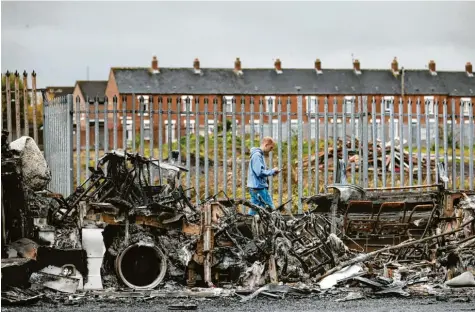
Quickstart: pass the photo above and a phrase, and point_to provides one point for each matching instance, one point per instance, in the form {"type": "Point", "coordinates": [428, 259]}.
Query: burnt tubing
{"type": "Point", "coordinates": [141, 266]}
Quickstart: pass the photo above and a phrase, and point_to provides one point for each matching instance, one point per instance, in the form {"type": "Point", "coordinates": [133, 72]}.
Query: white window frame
{"type": "Point", "coordinates": [350, 102]}
{"type": "Point", "coordinates": [465, 105]}
{"type": "Point", "coordinates": [429, 100]}
{"type": "Point", "coordinates": [269, 98]}
{"type": "Point", "coordinates": [146, 104]}
{"type": "Point", "coordinates": [183, 104]}
{"type": "Point", "coordinates": [173, 122]}
{"type": "Point", "coordinates": [311, 104]}
{"type": "Point", "coordinates": [388, 101]}
{"type": "Point", "coordinates": [228, 102]}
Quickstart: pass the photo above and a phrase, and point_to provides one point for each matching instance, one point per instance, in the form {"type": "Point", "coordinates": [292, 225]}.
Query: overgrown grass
{"type": "Point", "coordinates": [309, 185]}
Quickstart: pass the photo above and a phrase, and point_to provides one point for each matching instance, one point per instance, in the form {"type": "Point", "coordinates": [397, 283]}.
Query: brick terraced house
{"type": "Point", "coordinates": [171, 86]}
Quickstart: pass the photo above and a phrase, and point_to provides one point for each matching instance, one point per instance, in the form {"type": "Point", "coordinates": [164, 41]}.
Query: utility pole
{"type": "Point", "coordinates": [87, 72]}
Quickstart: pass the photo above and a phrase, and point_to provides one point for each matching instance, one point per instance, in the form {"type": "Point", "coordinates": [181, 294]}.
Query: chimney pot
{"type": "Point", "coordinates": [469, 69]}
{"type": "Point", "coordinates": [278, 65]}
{"type": "Point", "coordinates": [356, 66]}
{"type": "Point", "coordinates": [432, 66]}
{"type": "Point", "coordinates": [318, 65]}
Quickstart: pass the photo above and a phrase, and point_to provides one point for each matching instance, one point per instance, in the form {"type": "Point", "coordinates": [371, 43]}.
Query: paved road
{"type": "Point", "coordinates": [263, 305]}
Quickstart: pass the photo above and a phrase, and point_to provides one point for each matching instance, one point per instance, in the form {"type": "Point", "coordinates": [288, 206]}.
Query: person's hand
{"type": "Point", "coordinates": [276, 170]}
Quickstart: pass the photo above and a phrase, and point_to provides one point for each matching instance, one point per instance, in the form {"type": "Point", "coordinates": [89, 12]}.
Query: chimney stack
{"type": "Point", "coordinates": [356, 67]}
{"type": "Point", "coordinates": [278, 66]}
{"type": "Point", "coordinates": [318, 66]}
{"type": "Point", "coordinates": [155, 69]}
{"type": "Point", "coordinates": [395, 66]}
{"type": "Point", "coordinates": [196, 66]}
{"type": "Point", "coordinates": [432, 68]}
{"type": "Point", "coordinates": [468, 69]}
{"type": "Point", "coordinates": [237, 64]}
{"type": "Point", "coordinates": [237, 67]}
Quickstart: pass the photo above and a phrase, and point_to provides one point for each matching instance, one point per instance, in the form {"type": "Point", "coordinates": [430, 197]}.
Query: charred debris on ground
{"type": "Point", "coordinates": [119, 235]}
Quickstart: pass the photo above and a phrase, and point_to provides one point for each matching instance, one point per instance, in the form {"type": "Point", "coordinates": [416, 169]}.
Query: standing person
{"type": "Point", "coordinates": [257, 175]}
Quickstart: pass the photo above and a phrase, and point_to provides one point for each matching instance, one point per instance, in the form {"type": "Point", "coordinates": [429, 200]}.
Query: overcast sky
{"type": "Point", "coordinates": [61, 39]}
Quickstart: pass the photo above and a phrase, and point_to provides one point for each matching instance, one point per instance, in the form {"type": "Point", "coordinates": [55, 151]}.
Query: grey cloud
{"type": "Point", "coordinates": [61, 39]}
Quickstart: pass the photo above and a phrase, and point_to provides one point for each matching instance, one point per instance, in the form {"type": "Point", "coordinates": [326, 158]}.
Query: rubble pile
{"type": "Point", "coordinates": [382, 163]}
{"type": "Point", "coordinates": [118, 231]}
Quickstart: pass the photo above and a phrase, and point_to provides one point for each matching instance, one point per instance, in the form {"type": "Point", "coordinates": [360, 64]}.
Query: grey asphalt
{"type": "Point", "coordinates": [264, 304]}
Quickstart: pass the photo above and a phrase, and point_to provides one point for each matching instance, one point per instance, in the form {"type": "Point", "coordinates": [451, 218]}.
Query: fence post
{"type": "Point", "coordinates": [317, 147]}
{"type": "Point", "coordinates": [300, 150]}
{"type": "Point", "coordinates": [17, 105]}
{"type": "Point", "coordinates": [375, 143]}
{"type": "Point", "coordinates": [78, 141]}
{"type": "Point", "coordinates": [33, 100]}
{"type": "Point", "coordinates": [70, 139]}
{"type": "Point", "coordinates": [25, 104]}
{"type": "Point", "coordinates": [365, 142]}
{"type": "Point", "coordinates": [9, 105]}
{"type": "Point", "coordinates": [462, 146]}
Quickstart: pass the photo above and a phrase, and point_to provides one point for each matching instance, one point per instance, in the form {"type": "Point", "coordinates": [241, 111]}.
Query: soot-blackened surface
{"type": "Point", "coordinates": [261, 305]}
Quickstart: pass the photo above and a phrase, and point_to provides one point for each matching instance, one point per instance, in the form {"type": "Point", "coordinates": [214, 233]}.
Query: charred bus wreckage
{"type": "Point", "coordinates": [121, 229]}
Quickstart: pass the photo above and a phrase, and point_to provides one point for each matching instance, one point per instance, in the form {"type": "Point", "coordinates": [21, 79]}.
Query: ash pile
{"type": "Point", "coordinates": [132, 230]}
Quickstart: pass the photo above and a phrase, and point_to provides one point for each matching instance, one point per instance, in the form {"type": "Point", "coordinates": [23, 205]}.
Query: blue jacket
{"type": "Point", "coordinates": [257, 172]}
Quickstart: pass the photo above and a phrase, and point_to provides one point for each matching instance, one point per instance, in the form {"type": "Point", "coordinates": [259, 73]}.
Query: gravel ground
{"type": "Point", "coordinates": [264, 304]}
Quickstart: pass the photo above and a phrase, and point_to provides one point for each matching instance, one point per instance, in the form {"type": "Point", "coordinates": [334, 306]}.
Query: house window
{"type": "Point", "coordinates": [270, 104]}
{"type": "Point", "coordinates": [429, 102]}
{"type": "Point", "coordinates": [311, 104]}
{"type": "Point", "coordinates": [129, 129]}
{"type": "Point", "coordinates": [228, 104]}
{"type": "Point", "coordinates": [189, 128]}
{"type": "Point", "coordinates": [143, 108]}
{"type": "Point", "coordinates": [466, 104]}
{"type": "Point", "coordinates": [349, 103]}
{"type": "Point", "coordinates": [146, 130]}
{"type": "Point", "coordinates": [255, 124]}
{"type": "Point", "coordinates": [169, 128]}
{"type": "Point", "coordinates": [211, 126]}
{"type": "Point", "coordinates": [184, 104]}
{"type": "Point", "coordinates": [388, 101]}
{"type": "Point", "coordinates": [294, 127]}
{"type": "Point", "coordinates": [275, 129]}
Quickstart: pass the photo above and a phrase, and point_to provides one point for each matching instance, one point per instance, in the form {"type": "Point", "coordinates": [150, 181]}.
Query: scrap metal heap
{"type": "Point", "coordinates": [122, 228]}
